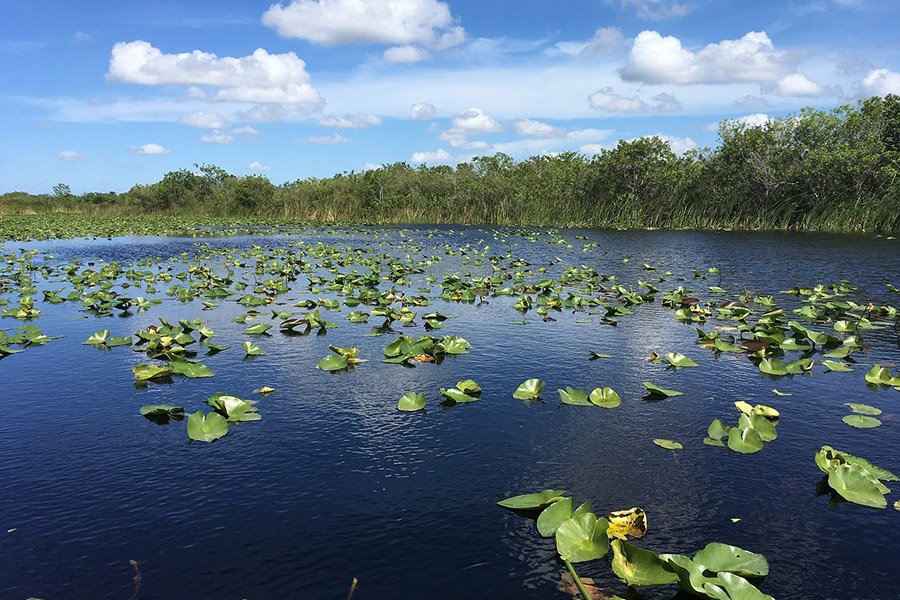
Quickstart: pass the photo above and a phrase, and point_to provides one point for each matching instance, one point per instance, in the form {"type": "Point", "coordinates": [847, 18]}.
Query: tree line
{"type": "Point", "coordinates": [831, 170]}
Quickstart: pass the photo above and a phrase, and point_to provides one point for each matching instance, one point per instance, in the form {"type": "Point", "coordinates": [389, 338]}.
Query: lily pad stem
{"type": "Point", "coordinates": [578, 583]}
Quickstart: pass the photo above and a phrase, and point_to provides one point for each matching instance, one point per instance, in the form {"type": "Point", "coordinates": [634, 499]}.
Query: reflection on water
{"type": "Point", "coordinates": [335, 483]}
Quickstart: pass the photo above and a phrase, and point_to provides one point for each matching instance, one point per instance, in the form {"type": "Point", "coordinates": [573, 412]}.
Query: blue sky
{"type": "Point", "coordinates": [103, 95]}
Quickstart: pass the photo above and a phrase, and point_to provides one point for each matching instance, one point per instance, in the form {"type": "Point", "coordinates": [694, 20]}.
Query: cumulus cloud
{"type": "Point", "coordinates": [406, 54]}
{"type": "Point", "coordinates": [327, 140]}
{"type": "Point", "coordinates": [656, 10]}
{"type": "Point", "coordinates": [152, 149]}
{"type": "Point", "coordinates": [752, 120]}
{"type": "Point", "coordinates": [537, 129]}
{"type": "Point", "coordinates": [797, 84]}
{"type": "Point", "coordinates": [71, 156]}
{"type": "Point", "coordinates": [475, 120]}
{"type": "Point", "coordinates": [666, 103]}
{"type": "Point", "coordinates": [349, 121]}
{"type": "Point", "coordinates": [260, 77]}
{"type": "Point", "coordinates": [329, 23]}
{"type": "Point", "coordinates": [204, 120]}
{"type": "Point", "coordinates": [438, 156]}
{"type": "Point", "coordinates": [752, 58]}
{"type": "Point", "coordinates": [609, 101]}
{"type": "Point", "coordinates": [258, 167]}
{"type": "Point", "coordinates": [217, 138]}
{"type": "Point", "coordinates": [421, 111]}
{"type": "Point", "coordinates": [246, 130]}
{"type": "Point", "coordinates": [881, 82]}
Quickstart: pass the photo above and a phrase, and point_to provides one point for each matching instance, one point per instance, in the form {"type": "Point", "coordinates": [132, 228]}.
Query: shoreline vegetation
{"type": "Point", "coordinates": [836, 171]}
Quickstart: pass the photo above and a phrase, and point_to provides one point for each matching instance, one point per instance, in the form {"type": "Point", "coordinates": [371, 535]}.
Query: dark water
{"type": "Point", "coordinates": [335, 483]}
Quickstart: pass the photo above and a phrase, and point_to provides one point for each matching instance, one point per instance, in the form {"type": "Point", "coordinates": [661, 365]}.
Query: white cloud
{"type": "Point", "coordinates": [152, 149]}
{"type": "Point", "coordinates": [372, 167]}
{"type": "Point", "coordinates": [657, 10]}
{"type": "Point", "coordinates": [258, 166]}
{"type": "Point", "coordinates": [349, 121]}
{"type": "Point", "coordinates": [537, 129]}
{"type": "Point", "coordinates": [217, 138]}
{"type": "Point", "coordinates": [605, 40]}
{"type": "Point", "coordinates": [752, 120]}
{"type": "Point", "coordinates": [83, 37]}
{"type": "Point", "coordinates": [195, 93]}
{"type": "Point", "coordinates": [260, 77]}
{"type": "Point", "coordinates": [475, 120]}
{"type": "Point", "coordinates": [336, 22]}
{"type": "Point", "coordinates": [881, 82]}
{"type": "Point", "coordinates": [421, 111]}
{"type": "Point", "coordinates": [591, 149]}
{"type": "Point", "coordinates": [609, 101]}
{"type": "Point", "coordinates": [439, 156]}
{"type": "Point", "coordinates": [753, 103]}
{"type": "Point", "coordinates": [666, 103]}
{"type": "Point", "coordinates": [657, 59]}
{"type": "Point", "coordinates": [71, 156]}
{"type": "Point", "coordinates": [678, 145]}
{"type": "Point", "coordinates": [406, 54]}
{"type": "Point", "coordinates": [246, 130]}
{"type": "Point", "coordinates": [460, 139]}
{"type": "Point", "coordinates": [326, 140]}
{"type": "Point", "coordinates": [204, 120]}
{"type": "Point", "coordinates": [797, 84]}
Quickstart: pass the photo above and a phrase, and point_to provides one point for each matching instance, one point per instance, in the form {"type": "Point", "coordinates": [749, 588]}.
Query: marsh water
{"type": "Point", "coordinates": [334, 483]}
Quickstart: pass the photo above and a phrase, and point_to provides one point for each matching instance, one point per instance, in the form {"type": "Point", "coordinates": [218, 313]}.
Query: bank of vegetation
{"type": "Point", "coordinates": [835, 170]}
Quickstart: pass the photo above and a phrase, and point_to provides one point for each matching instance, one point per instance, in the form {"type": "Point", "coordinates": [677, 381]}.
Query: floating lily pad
{"type": "Point", "coordinates": [206, 428]}
{"type": "Point", "coordinates": [251, 349]}
{"type": "Point", "coordinates": [151, 372]}
{"type": "Point", "coordinates": [679, 360]}
{"type": "Point", "coordinates": [411, 401]}
{"type": "Point", "coordinates": [532, 501]}
{"type": "Point", "coordinates": [658, 392]}
{"type": "Point", "coordinates": [638, 567]}
{"type": "Point", "coordinates": [192, 370]}
{"type": "Point", "coordinates": [529, 389]}
{"type": "Point", "coordinates": [574, 397]}
{"type": "Point", "coordinates": [861, 421]}
{"type": "Point", "coordinates": [605, 397]}
{"type": "Point", "coordinates": [582, 538]}
{"type": "Point", "coordinates": [668, 444]}
{"type": "Point", "coordinates": [555, 515]}
{"type": "Point", "coordinates": [162, 413]}
{"type": "Point", "coordinates": [234, 409]}
{"type": "Point", "coordinates": [863, 409]}
{"type": "Point", "coordinates": [718, 557]}
{"type": "Point", "coordinates": [333, 362]}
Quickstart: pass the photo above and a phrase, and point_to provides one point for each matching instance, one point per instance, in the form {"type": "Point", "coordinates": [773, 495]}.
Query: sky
{"type": "Point", "coordinates": [105, 95]}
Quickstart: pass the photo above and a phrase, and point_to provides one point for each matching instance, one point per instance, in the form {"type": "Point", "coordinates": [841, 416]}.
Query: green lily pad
{"type": "Point", "coordinates": [233, 408]}
{"type": "Point", "coordinates": [718, 557]}
{"type": "Point", "coordinates": [529, 389]}
{"type": "Point", "coordinates": [258, 329]}
{"type": "Point", "coordinates": [773, 366]}
{"type": "Point", "coordinates": [668, 444]}
{"type": "Point", "coordinates": [857, 485]}
{"type": "Point", "coordinates": [190, 369]}
{"type": "Point", "coordinates": [162, 413]}
{"type": "Point", "coordinates": [411, 401]}
{"type": "Point", "coordinates": [833, 365]}
{"type": "Point", "coordinates": [745, 441]}
{"type": "Point", "coordinates": [532, 501]}
{"type": "Point", "coordinates": [658, 392]}
{"type": "Point", "coordinates": [861, 421]}
{"type": "Point", "coordinates": [97, 338]}
{"type": "Point", "coordinates": [251, 349]}
{"type": "Point", "coordinates": [638, 567]}
{"type": "Point", "coordinates": [555, 515]}
{"type": "Point", "coordinates": [458, 396]}
{"type": "Point", "coordinates": [692, 576]}
{"type": "Point", "coordinates": [679, 360]}
{"type": "Point", "coordinates": [582, 538]}
{"type": "Point", "coordinates": [206, 428]}
{"type": "Point", "coordinates": [733, 587]}
{"type": "Point", "coordinates": [151, 372]}
{"type": "Point", "coordinates": [469, 386]}
{"type": "Point", "coordinates": [334, 362]}
{"type": "Point", "coordinates": [863, 409]}
{"type": "Point", "coordinates": [574, 397]}
{"type": "Point", "coordinates": [605, 397]}
{"type": "Point", "coordinates": [878, 375]}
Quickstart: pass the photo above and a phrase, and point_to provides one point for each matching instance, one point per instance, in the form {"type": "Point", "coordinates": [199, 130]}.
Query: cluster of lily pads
{"type": "Point", "coordinates": [466, 391]}
{"type": "Point", "coordinates": [206, 427]}
{"type": "Point", "coordinates": [718, 571]}
{"type": "Point", "coordinates": [755, 426]}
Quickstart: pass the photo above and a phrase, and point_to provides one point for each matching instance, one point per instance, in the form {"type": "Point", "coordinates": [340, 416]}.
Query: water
{"type": "Point", "coordinates": [334, 483]}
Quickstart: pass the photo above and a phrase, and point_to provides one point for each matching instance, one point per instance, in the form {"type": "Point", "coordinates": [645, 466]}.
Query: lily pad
{"type": "Point", "coordinates": [638, 567]}
{"type": "Point", "coordinates": [192, 370]}
{"type": "Point", "coordinates": [863, 409]}
{"type": "Point", "coordinates": [861, 421]}
{"type": "Point", "coordinates": [555, 515]}
{"type": "Point", "coordinates": [251, 349]}
{"type": "Point", "coordinates": [574, 397]}
{"type": "Point", "coordinates": [411, 401]}
{"type": "Point", "coordinates": [668, 444]}
{"type": "Point", "coordinates": [680, 361]}
{"type": "Point", "coordinates": [532, 501]}
{"type": "Point", "coordinates": [206, 428]}
{"type": "Point", "coordinates": [162, 413]}
{"type": "Point", "coordinates": [151, 372]}
{"type": "Point", "coordinates": [334, 362]}
{"type": "Point", "coordinates": [745, 441]}
{"type": "Point", "coordinates": [718, 557]}
{"type": "Point", "coordinates": [605, 397]}
{"type": "Point", "coordinates": [529, 389]}
{"type": "Point", "coordinates": [658, 392]}
{"type": "Point", "coordinates": [582, 538]}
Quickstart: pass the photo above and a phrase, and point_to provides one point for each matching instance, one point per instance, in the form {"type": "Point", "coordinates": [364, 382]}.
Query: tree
{"type": "Point", "coordinates": [61, 190]}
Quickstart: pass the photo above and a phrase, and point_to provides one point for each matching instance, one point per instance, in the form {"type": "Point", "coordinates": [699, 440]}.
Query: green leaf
{"type": "Point", "coordinates": [97, 338]}
{"type": "Point", "coordinates": [857, 485]}
{"type": "Point", "coordinates": [529, 389]}
{"type": "Point", "coordinates": [574, 397]}
{"type": "Point", "coordinates": [121, 340]}
{"type": "Point", "coordinates": [582, 538]}
{"type": "Point", "coordinates": [411, 401]}
{"type": "Point", "coordinates": [691, 575]}
{"type": "Point", "coordinates": [679, 360]}
{"type": "Point", "coordinates": [457, 396]}
{"type": "Point", "coordinates": [658, 392]}
{"type": "Point", "coordinates": [206, 428]}
{"type": "Point", "coordinates": [151, 371]}
{"type": "Point", "coordinates": [638, 567]}
{"type": "Point", "coordinates": [878, 375]}
{"type": "Point", "coordinates": [733, 587]}
{"type": "Point", "coordinates": [744, 440]}
{"type": "Point", "coordinates": [190, 369]}
{"type": "Point", "coordinates": [453, 344]}
{"type": "Point", "coordinates": [717, 430]}
{"type": "Point", "coordinates": [334, 362]}
{"type": "Point", "coordinates": [595, 355]}
{"type": "Point", "coordinates": [773, 366]}
{"type": "Point", "coordinates": [605, 397]}
{"type": "Point", "coordinates": [258, 329]}
{"type": "Point", "coordinates": [233, 408]}
{"type": "Point", "coordinates": [668, 444]}
{"type": "Point", "coordinates": [162, 413]}
{"type": "Point", "coordinates": [532, 501]}
{"type": "Point", "coordinates": [555, 515]}
{"type": "Point", "coordinates": [863, 409]}
{"type": "Point", "coordinates": [833, 365]}
{"type": "Point", "coordinates": [718, 557]}
{"type": "Point", "coordinates": [251, 349]}
{"type": "Point", "coordinates": [861, 421]}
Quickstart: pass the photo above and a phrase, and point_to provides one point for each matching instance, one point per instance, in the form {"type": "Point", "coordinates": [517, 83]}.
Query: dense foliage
{"type": "Point", "coordinates": [817, 170]}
